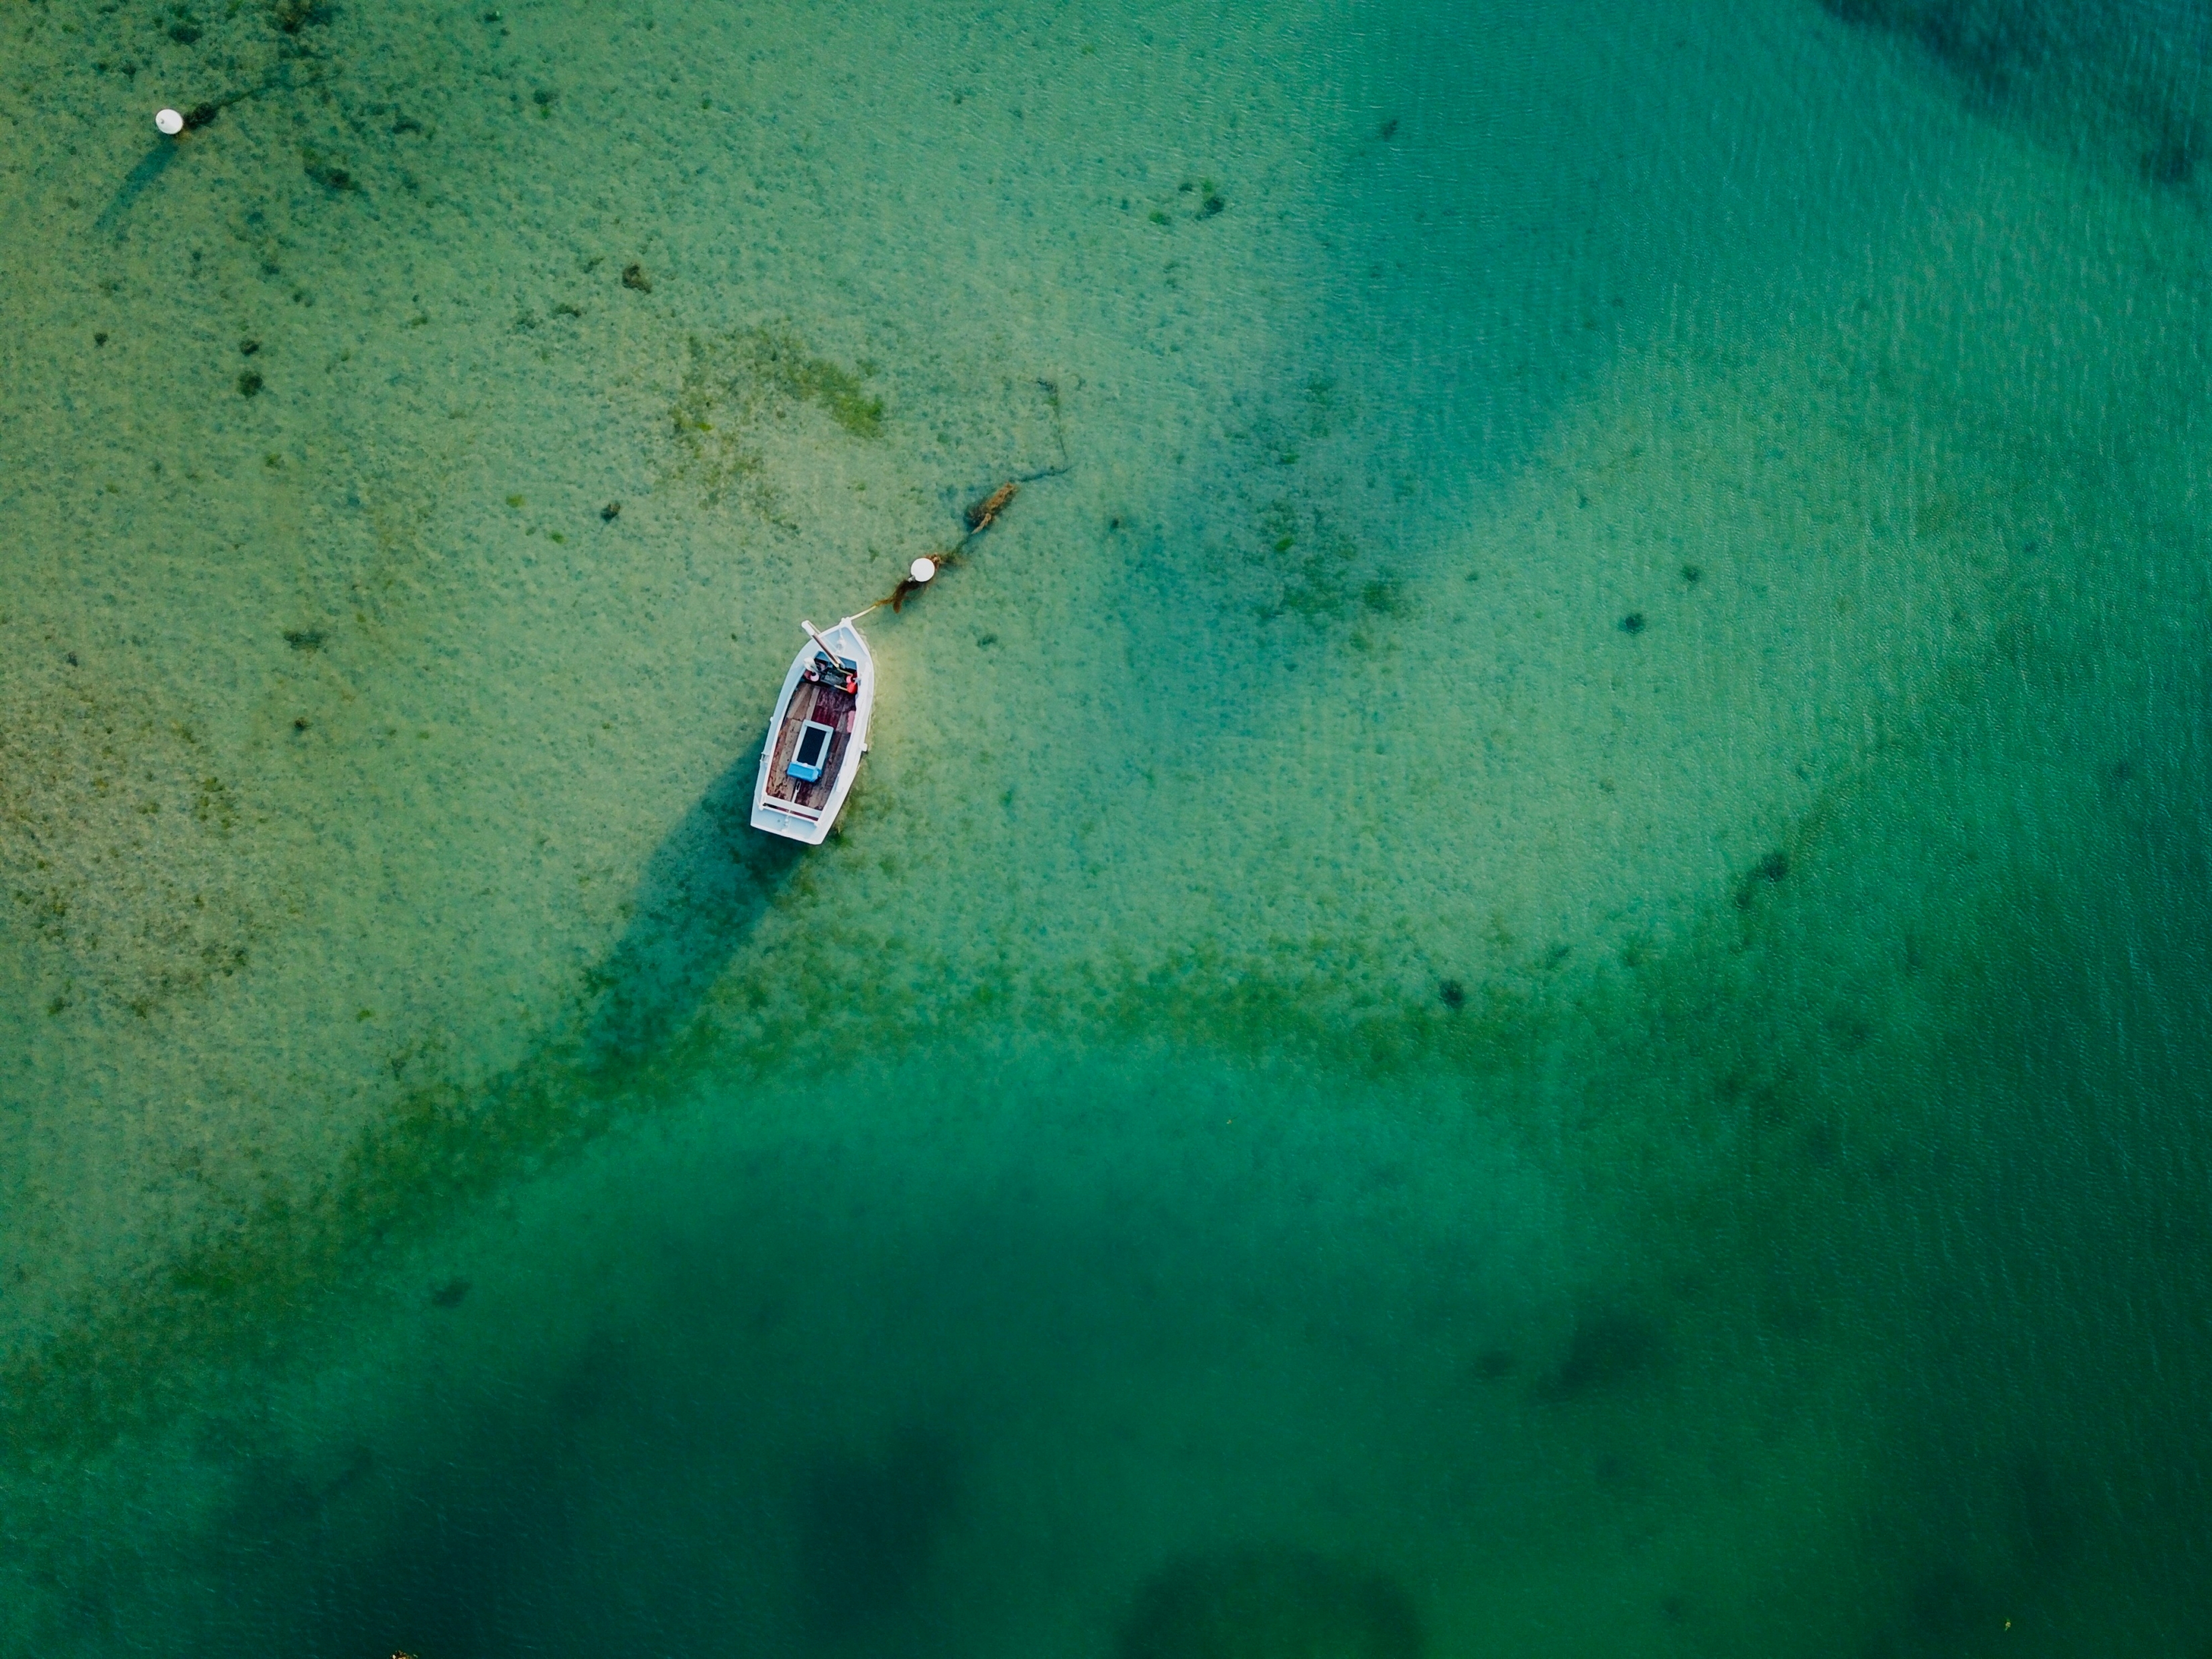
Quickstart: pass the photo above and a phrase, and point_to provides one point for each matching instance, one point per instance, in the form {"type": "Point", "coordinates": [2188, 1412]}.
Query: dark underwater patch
{"type": "Point", "coordinates": [1297, 522]}
{"type": "Point", "coordinates": [2131, 71]}
{"type": "Point", "coordinates": [1609, 1348]}
{"type": "Point", "coordinates": [1268, 1604]}
{"type": "Point", "coordinates": [1991, 40]}
{"type": "Point", "coordinates": [869, 1528]}
{"type": "Point", "coordinates": [1772, 870]}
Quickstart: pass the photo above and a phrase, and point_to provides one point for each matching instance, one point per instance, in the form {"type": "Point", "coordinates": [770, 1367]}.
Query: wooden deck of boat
{"type": "Point", "coordinates": [833, 708]}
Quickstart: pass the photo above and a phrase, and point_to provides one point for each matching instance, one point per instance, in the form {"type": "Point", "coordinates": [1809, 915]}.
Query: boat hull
{"type": "Point", "coordinates": [816, 737]}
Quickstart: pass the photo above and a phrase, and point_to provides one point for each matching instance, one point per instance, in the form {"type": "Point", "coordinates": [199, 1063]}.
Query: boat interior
{"type": "Point", "coordinates": [811, 745]}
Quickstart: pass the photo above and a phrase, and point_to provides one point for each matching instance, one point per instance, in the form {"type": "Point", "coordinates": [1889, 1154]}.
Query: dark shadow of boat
{"type": "Point", "coordinates": [705, 888]}
{"type": "Point", "coordinates": [445, 1144]}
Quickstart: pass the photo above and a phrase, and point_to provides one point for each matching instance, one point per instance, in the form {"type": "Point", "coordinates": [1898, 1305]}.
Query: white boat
{"type": "Point", "coordinates": [817, 736]}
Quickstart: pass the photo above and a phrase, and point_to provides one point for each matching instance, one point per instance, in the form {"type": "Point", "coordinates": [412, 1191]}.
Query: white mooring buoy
{"type": "Point", "coordinates": [171, 122]}
{"type": "Point", "coordinates": [922, 569]}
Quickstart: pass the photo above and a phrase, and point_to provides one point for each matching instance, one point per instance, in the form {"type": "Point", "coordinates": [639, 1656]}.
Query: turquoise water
{"type": "Point", "coordinates": [1522, 969]}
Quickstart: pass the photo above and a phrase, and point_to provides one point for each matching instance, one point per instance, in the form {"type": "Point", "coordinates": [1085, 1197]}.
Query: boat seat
{"type": "Point", "coordinates": [811, 755]}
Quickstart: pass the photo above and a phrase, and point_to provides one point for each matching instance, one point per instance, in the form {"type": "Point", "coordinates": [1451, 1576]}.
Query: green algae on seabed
{"type": "Point", "coordinates": [747, 366]}
{"type": "Point", "coordinates": [235, 1298]}
{"type": "Point", "coordinates": [734, 381]}
{"type": "Point", "coordinates": [631, 1043]}
{"type": "Point", "coordinates": [628, 1042]}
{"type": "Point", "coordinates": [232, 1298]}
{"type": "Point", "coordinates": [1706, 1121]}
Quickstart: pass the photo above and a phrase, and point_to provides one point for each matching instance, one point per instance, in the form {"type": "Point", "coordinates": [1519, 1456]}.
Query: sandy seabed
{"type": "Point", "coordinates": [1521, 970]}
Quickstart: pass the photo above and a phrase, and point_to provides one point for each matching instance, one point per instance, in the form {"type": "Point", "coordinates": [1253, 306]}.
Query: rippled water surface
{"type": "Point", "coordinates": [1522, 968]}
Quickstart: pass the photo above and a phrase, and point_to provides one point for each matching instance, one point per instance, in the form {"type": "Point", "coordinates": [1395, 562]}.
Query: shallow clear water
{"type": "Point", "coordinates": [1521, 969]}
